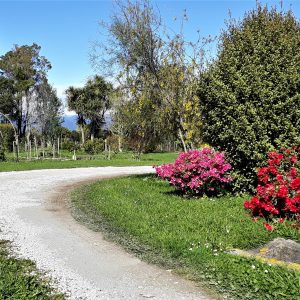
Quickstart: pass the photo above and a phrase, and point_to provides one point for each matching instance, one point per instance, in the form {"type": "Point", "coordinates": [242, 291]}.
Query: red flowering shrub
{"type": "Point", "coordinates": [278, 189]}
{"type": "Point", "coordinates": [197, 171]}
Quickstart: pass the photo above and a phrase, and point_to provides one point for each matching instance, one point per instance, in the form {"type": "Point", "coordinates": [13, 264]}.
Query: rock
{"type": "Point", "coordinates": [282, 249]}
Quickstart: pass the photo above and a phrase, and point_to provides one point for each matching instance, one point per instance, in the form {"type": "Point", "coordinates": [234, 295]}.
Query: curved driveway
{"type": "Point", "coordinates": [80, 261]}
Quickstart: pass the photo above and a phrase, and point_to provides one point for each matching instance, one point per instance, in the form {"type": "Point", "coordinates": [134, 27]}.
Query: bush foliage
{"type": "Point", "coordinates": [251, 93]}
{"type": "Point", "coordinates": [6, 137]}
{"type": "Point", "coordinates": [197, 172]}
{"type": "Point", "coordinates": [95, 146]}
{"type": "Point", "coordinates": [70, 145]}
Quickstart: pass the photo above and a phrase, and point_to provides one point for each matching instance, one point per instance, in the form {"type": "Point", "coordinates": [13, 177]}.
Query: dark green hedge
{"type": "Point", "coordinates": [6, 137]}
{"type": "Point", "coordinates": [251, 93]}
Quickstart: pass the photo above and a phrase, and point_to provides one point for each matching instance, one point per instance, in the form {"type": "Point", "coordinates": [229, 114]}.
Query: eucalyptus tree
{"type": "Point", "coordinates": [26, 69]}
{"type": "Point", "coordinates": [49, 108]}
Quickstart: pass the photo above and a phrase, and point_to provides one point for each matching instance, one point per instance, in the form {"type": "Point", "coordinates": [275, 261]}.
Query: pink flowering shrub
{"type": "Point", "coordinates": [197, 172]}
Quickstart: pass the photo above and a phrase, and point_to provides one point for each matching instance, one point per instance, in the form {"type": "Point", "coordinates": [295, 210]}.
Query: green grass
{"type": "Point", "coordinates": [118, 160]}
{"type": "Point", "coordinates": [20, 280]}
{"type": "Point", "coordinates": [191, 236]}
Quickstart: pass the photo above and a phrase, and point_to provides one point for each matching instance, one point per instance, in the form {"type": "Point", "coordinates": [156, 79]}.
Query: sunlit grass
{"type": "Point", "coordinates": [118, 160]}
{"type": "Point", "coordinates": [193, 236]}
{"type": "Point", "coordinates": [19, 279]}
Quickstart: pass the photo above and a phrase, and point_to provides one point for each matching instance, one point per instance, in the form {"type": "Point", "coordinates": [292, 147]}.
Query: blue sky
{"type": "Point", "coordinates": [66, 29]}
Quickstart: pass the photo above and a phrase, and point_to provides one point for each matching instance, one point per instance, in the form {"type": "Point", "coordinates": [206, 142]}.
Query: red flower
{"type": "Point", "coordinates": [274, 158]}
{"type": "Point", "coordinates": [278, 189]}
{"type": "Point", "coordinates": [282, 192]}
{"type": "Point", "coordinates": [294, 159]}
{"type": "Point", "coordinates": [268, 226]}
{"type": "Point", "coordinates": [293, 205]}
{"type": "Point", "coordinates": [293, 172]}
{"type": "Point", "coordinates": [295, 184]}
{"type": "Point", "coordinates": [273, 170]}
{"type": "Point", "coordinates": [279, 178]}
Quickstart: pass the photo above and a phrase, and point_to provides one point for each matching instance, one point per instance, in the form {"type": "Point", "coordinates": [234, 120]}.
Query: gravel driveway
{"type": "Point", "coordinates": [80, 261]}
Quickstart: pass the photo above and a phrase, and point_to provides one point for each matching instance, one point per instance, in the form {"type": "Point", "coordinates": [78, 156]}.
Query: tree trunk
{"type": "Point", "coordinates": [182, 140]}
{"type": "Point", "coordinates": [58, 150]}
{"type": "Point", "coordinates": [19, 125]}
{"type": "Point", "coordinates": [43, 147]}
{"type": "Point", "coordinates": [82, 134]}
{"type": "Point", "coordinates": [120, 143]}
{"type": "Point", "coordinates": [105, 145]}
{"type": "Point", "coordinates": [35, 148]}
{"type": "Point", "coordinates": [28, 145]}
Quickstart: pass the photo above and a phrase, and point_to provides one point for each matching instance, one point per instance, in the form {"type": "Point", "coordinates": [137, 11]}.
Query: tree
{"type": "Point", "coordinates": [178, 83]}
{"type": "Point", "coordinates": [96, 94]}
{"type": "Point", "coordinates": [251, 93]}
{"type": "Point", "coordinates": [48, 119]}
{"type": "Point", "coordinates": [117, 127]}
{"type": "Point", "coordinates": [25, 69]}
{"type": "Point", "coordinates": [6, 95]}
{"type": "Point", "coordinates": [90, 103]}
{"type": "Point", "coordinates": [158, 74]}
{"type": "Point", "coordinates": [75, 103]}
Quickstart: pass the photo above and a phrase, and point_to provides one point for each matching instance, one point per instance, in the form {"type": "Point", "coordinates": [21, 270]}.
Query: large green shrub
{"type": "Point", "coordinates": [2, 154]}
{"type": "Point", "coordinates": [6, 137]}
{"type": "Point", "coordinates": [251, 93]}
{"type": "Point", "coordinates": [70, 145]}
{"type": "Point", "coordinates": [93, 147]}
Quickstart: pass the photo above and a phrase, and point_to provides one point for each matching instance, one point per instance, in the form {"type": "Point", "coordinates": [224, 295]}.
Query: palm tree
{"type": "Point", "coordinates": [74, 101]}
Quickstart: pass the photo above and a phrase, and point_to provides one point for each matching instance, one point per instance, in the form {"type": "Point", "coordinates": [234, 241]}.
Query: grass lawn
{"type": "Point", "coordinates": [20, 280]}
{"type": "Point", "coordinates": [117, 160]}
{"type": "Point", "coordinates": [190, 236]}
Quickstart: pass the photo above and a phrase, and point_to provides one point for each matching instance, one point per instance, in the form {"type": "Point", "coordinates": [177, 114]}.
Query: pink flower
{"type": "Point", "coordinates": [197, 171]}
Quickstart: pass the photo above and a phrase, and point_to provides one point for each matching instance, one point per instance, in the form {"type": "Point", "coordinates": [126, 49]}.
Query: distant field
{"type": "Point", "coordinates": [117, 160]}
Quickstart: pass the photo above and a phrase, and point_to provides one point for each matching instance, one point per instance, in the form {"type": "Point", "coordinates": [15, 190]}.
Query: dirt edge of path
{"type": "Point", "coordinates": [59, 203]}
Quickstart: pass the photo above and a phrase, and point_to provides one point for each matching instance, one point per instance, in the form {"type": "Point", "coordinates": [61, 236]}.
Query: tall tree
{"type": "Point", "coordinates": [6, 95]}
{"type": "Point", "coordinates": [96, 95]}
{"type": "Point", "coordinates": [48, 119]}
{"type": "Point", "coordinates": [90, 103]}
{"type": "Point", "coordinates": [251, 94]}
{"type": "Point", "coordinates": [27, 69]}
{"type": "Point", "coordinates": [158, 73]}
{"type": "Point", "coordinates": [75, 102]}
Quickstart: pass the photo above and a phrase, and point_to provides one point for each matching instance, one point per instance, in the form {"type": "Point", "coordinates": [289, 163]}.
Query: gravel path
{"type": "Point", "coordinates": [80, 261]}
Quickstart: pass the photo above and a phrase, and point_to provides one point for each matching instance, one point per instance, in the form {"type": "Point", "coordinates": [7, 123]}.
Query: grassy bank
{"type": "Point", "coordinates": [191, 236]}
{"type": "Point", "coordinates": [117, 160]}
{"type": "Point", "coordinates": [19, 279]}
